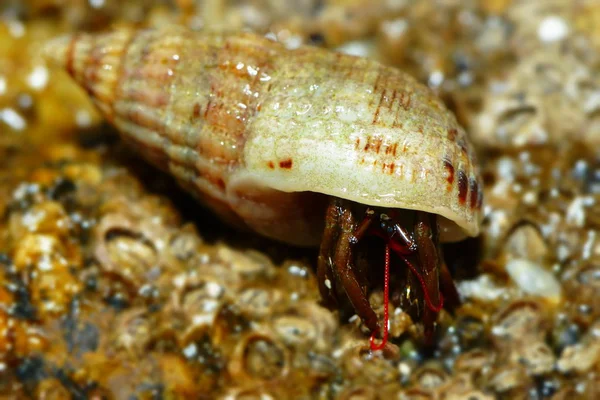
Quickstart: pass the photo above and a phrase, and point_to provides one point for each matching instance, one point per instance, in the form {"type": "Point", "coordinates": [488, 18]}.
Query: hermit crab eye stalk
{"type": "Point", "coordinates": [395, 235]}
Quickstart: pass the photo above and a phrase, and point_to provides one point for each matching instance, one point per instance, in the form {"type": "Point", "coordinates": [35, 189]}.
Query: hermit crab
{"type": "Point", "coordinates": [307, 146]}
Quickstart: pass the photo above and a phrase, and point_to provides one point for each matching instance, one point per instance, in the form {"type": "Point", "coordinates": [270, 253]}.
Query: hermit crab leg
{"type": "Point", "coordinates": [429, 262]}
{"type": "Point", "coordinates": [324, 273]}
{"type": "Point", "coordinates": [428, 258]}
{"type": "Point", "coordinates": [345, 271]}
{"type": "Point", "coordinates": [340, 235]}
{"type": "Point", "coordinates": [424, 285]}
{"type": "Point", "coordinates": [364, 225]}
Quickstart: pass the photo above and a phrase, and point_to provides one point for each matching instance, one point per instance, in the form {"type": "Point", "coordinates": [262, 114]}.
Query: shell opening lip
{"type": "Point", "coordinates": [453, 227]}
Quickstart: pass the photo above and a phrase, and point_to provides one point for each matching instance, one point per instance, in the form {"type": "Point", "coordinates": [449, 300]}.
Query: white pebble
{"type": "Point", "coordinates": [552, 28]}
{"type": "Point", "coordinates": [214, 289]}
{"type": "Point", "coordinates": [97, 3]}
{"type": "Point", "coordinates": [576, 212]}
{"type": "Point", "coordinates": [190, 350]}
{"type": "Point", "coordinates": [436, 78]}
{"type": "Point", "coordinates": [530, 198]}
{"type": "Point", "coordinates": [533, 279]}
{"type": "Point", "coordinates": [395, 28]}
{"type": "Point", "coordinates": [404, 368]}
{"type": "Point", "coordinates": [589, 247]}
{"type": "Point", "coordinates": [83, 119]}
{"type": "Point", "coordinates": [482, 288]}
{"type": "Point", "coordinates": [293, 42]}
{"type": "Point", "coordinates": [356, 48]}
{"type": "Point", "coordinates": [38, 78]}
{"type": "Point", "coordinates": [12, 119]}
{"type": "Point", "coordinates": [16, 28]}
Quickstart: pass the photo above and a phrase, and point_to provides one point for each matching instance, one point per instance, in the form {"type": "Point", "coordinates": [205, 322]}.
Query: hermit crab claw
{"type": "Point", "coordinates": [415, 248]}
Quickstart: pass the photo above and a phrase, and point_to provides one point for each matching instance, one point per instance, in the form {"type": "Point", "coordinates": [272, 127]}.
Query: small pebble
{"type": "Point", "coordinates": [533, 279]}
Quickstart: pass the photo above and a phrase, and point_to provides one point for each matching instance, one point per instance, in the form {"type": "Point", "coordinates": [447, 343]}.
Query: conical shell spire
{"type": "Point", "coordinates": [55, 50]}
{"type": "Point", "coordinates": [94, 61]}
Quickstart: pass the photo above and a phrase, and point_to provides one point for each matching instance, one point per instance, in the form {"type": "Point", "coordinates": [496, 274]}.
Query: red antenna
{"type": "Point", "coordinates": [386, 305]}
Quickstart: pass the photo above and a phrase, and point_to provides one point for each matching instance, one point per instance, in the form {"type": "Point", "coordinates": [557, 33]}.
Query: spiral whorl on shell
{"type": "Point", "coordinates": [263, 134]}
{"type": "Point", "coordinates": [182, 101]}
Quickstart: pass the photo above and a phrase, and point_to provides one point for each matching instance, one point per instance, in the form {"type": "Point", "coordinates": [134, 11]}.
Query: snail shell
{"type": "Point", "coordinates": [263, 134]}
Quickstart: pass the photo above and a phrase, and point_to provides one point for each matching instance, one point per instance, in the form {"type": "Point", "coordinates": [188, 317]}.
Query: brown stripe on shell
{"type": "Point", "coordinates": [91, 67]}
{"type": "Point", "coordinates": [232, 102]}
{"type": "Point", "coordinates": [378, 110]}
{"type": "Point", "coordinates": [393, 99]}
{"type": "Point", "coordinates": [452, 134]}
{"type": "Point", "coordinates": [373, 144]}
{"type": "Point", "coordinates": [376, 84]}
{"type": "Point", "coordinates": [146, 95]}
{"type": "Point", "coordinates": [462, 186]}
{"type": "Point", "coordinates": [207, 108]}
{"type": "Point", "coordinates": [151, 97]}
{"type": "Point", "coordinates": [378, 142]}
{"type": "Point", "coordinates": [388, 168]}
{"type": "Point", "coordinates": [405, 99]}
{"type": "Point", "coordinates": [120, 70]}
{"type": "Point", "coordinates": [196, 110]}
{"type": "Point", "coordinates": [450, 170]}
{"type": "Point", "coordinates": [140, 107]}
{"type": "Point", "coordinates": [403, 105]}
{"type": "Point", "coordinates": [473, 192]}
{"type": "Point", "coordinates": [70, 64]}
{"type": "Point", "coordinates": [286, 164]}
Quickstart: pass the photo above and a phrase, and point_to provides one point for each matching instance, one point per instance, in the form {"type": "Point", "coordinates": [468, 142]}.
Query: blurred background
{"type": "Point", "coordinates": [115, 285]}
